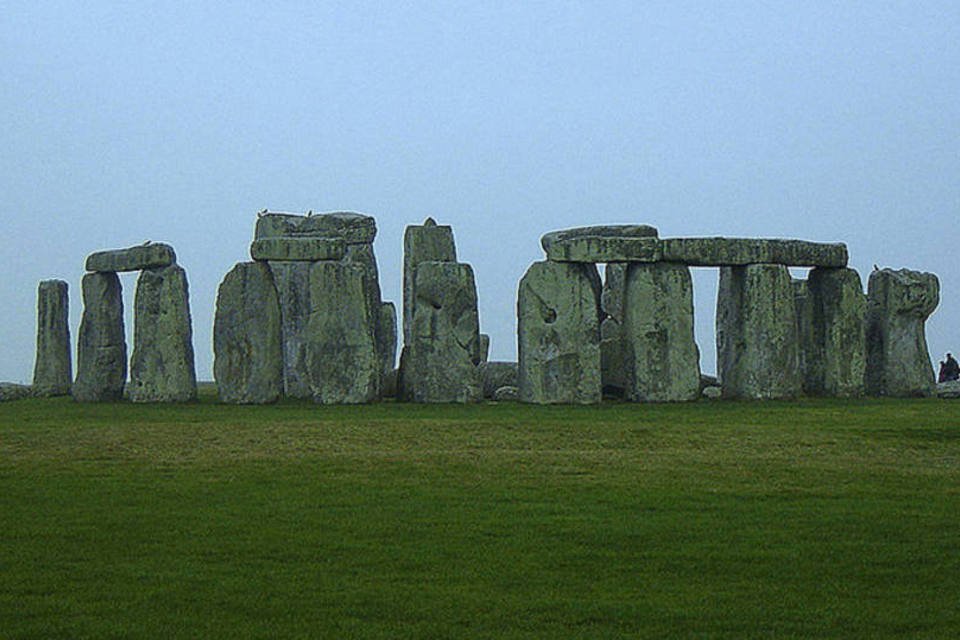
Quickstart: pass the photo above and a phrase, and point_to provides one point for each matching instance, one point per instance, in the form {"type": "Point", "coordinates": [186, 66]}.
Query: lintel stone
{"type": "Point", "coordinates": [146, 256]}
{"type": "Point", "coordinates": [308, 249]}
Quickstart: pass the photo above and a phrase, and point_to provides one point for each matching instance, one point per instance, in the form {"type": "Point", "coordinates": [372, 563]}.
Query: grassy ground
{"type": "Point", "coordinates": [712, 520]}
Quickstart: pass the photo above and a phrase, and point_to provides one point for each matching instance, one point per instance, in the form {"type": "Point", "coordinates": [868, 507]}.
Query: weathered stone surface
{"type": "Point", "coordinates": [832, 333]}
{"type": "Point", "coordinates": [949, 390]}
{"type": "Point", "coordinates": [662, 358]}
{"type": "Point", "coordinates": [599, 231]}
{"type": "Point", "coordinates": [354, 228]}
{"type": "Point", "coordinates": [101, 345]}
{"type": "Point", "coordinates": [712, 393]}
{"type": "Point", "coordinates": [613, 372]}
{"type": "Point", "coordinates": [494, 375]}
{"type": "Point", "coordinates": [706, 380]}
{"type": "Point", "coordinates": [363, 255]}
{"type": "Point", "coordinates": [898, 304]}
{"type": "Point", "coordinates": [386, 332]}
{"type": "Point", "coordinates": [12, 391]}
{"type": "Point", "coordinates": [558, 307]}
{"type": "Point", "coordinates": [720, 252]}
{"type": "Point", "coordinates": [438, 364]}
{"type": "Point", "coordinates": [307, 249]}
{"type": "Point", "coordinates": [388, 384]}
{"type": "Point", "coordinates": [483, 348]}
{"type": "Point", "coordinates": [248, 355]}
{"type": "Point", "coordinates": [343, 363]}
{"type": "Point", "coordinates": [52, 371]}
{"type": "Point", "coordinates": [148, 256]}
{"type": "Point", "coordinates": [428, 242]}
{"type": "Point", "coordinates": [292, 280]}
{"type": "Point", "coordinates": [506, 394]}
{"type": "Point", "coordinates": [808, 348]}
{"type": "Point", "coordinates": [604, 249]}
{"type": "Point", "coordinates": [757, 350]}
{"type": "Point", "coordinates": [162, 365]}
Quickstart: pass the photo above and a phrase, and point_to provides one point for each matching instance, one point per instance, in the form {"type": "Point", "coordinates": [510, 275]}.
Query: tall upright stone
{"type": "Point", "coordinates": [757, 350]}
{"type": "Point", "coordinates": [343, 362]}
{"type": "Point", "coordinates": [898, 304]}
{"type": "Point", "coordinates": [52, 374]}
{"type": "Point", "coordinates": [292, 280]}
{"type": "Point", "coordinates": [428, 242]}
{"type": "Point", "coordinates": [162, 365]}
{"type": "Point", "coordinates": [439, 362]}
{"type": "Point", "coordinates": [613, 365]}
{"type": "Point", "coordinates": [808, 348]}
{"type": "Point", "coordinates": [558, 315]}
{"type": "Point", "coordinates": [663, 361]}
{"type": "Point", "coordinates": [248, 354]}
{"type": "Point", "coordinates": [387, 337]}
{"type": "Point", "coordinates": [834, 342]}
{"type": "Point", "coordinates": [101, 345]}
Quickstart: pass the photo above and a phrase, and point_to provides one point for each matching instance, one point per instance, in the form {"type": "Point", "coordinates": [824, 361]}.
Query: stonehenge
{"type": "Point", "coordinates": [52, 374]}
{"type": "Point", "coordinates": [305, 319]}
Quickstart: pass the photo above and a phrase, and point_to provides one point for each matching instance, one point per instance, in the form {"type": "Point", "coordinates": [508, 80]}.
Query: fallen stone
{"type": "Point", "coordinates": [723, 252]}
{"type": "Point", "coordinates": [10, 391]}
{"type": "Point", "coordinates": [428, 242]}
{"type": "Point", "coordinates": [299, 249]}
{"type": "Point", "coordinates": [757, 344]}
{"type": "Point", "coordinates": [386, 332]}
{"type": "Point", "coordinates": [248, 354]}
{"type": "Point", "coordinates": [494, 375]}
{"type": "Point", "coordinates": [558, 310]}
{"type": "Point", "coordinates": [162, 365]}
{"type": "Point", "coordinates": [354, 228]}
{"type": "Point", "coordinates": [661, 354]}
{"type": "Point", "coordinates": [949, 390]}
{"type": "Point", "coordinates": [834, 345]}
{"type": "Point", "coordinates": [506, 394]}
{"type": "Point", "coordinates": [438, 364]}
{"type": "Point", "coordinates": [343, 362]}
{"type": "Point", "coordinates": [898, 304]}
{"type": "Point", "coordinates": [712, 393]}
{"type": "Point", "coordinates": [52, 371]}
{"type": "Point", "coordinates": [101, 344]}
{"type": "Point", "coordinates": [292, 281]}
{"type": "Point", "coordinates": [147, 256]}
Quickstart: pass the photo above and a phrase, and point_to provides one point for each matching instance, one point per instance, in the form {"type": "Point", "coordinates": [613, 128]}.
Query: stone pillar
{"type": "Point", "coordinates": [52, 375]}
{"type": "Point", "coordinates": [292, 280]}
{"type": "Point", "coordinates": [343, 363]}
{"type": "Point", "coordinates": [558, 313]}
{"type": "Point", "coordinates": [807, 346]}
{"type": "Point", "coordinates": [162, 366]}
{"type": "Point", "coordinates": [428, 242]}
{"type": "Point", "coordinates": [101, 345]}
{"type": "Point", "coordinates": [757, 349]}
{"type": "Point", "coordinates": [663, 361]}
{"type": "Point", "coordinates": [387, 338]}
{"type": "Point", "coordinates": [834, 345]}
{"type": "Point", "coordinates": [248, 355]}
{"type": "Point", "coordinates": [613, 365]}
{"type": "Point", "coordinates": [898, 304]}
{"type": "Point", "coordinates": [439, 362]}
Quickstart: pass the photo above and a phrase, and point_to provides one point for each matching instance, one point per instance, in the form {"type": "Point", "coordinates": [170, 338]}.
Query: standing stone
{"type": "Point", "coordinates": [558, 307]}
{"type": "Point", "coordinates": [387, 337]}
{"type": "Point", "coordinates": [162, 366]}
{"type": "Point", "coordinates": [428, 242]}
{"type": "Point", "coordinates": [343, 363]}
{"type": "Point", "coordinates": [438, 364]}
{"type": "Point", "coordinates": [101, 345]}
{"type": "Point", "coordinates": [612, 363]}
{"type": "Point", "coordinates": [663, 361]}
{"type": "Point", "coordinates": [292, 280]}
{"type": "Point", "coordinates": [52, 375]}
{"type": "Point", "coordinates": [898, 304]}
{"type": "Point", "coordinates": [808, 348]}
{"type": "Point", "coordinates": [483, 348]}
{"type": "Point", "coordinates": [834, 343]}
{"type": "Point", "coordinates": [757, 333]}
{"type": "Point", "coordinates": [248, 355]}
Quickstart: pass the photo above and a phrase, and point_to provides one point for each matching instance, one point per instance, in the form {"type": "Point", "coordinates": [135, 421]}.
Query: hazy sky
{"type": "Point", "coordinates": [121, 122]}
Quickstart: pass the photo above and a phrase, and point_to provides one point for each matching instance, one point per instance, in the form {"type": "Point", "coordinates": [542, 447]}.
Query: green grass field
{"type": "Point", "coordinates": [712, 520]}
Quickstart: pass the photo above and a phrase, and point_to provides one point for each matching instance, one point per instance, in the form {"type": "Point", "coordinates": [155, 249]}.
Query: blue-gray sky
{"type": "Point", "coordinates": [122, 122]}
